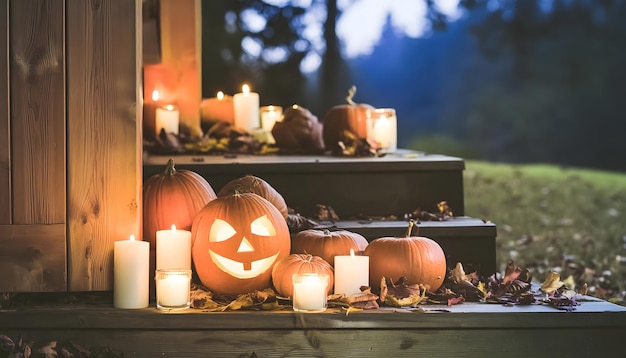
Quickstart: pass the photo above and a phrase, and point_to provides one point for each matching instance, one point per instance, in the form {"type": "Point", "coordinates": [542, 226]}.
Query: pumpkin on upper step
{"type": "Point", "coordinates": [299, 130]}
{"type": "Point", "coordinates": [350, 117]}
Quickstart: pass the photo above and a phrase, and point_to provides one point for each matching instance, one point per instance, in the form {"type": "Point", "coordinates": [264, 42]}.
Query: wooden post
{"type": "Point", "coordinates": [178, 77]}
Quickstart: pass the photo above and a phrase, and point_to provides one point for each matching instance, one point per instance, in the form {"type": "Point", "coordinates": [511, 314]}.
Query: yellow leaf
{"type": "Point", "coordinates": [481, 287]}
{"type": "Point", "coordinates": [552, 282]}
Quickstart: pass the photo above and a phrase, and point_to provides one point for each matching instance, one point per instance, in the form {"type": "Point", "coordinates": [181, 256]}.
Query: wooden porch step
{"type": "Point", "coordinates": [466, 330]}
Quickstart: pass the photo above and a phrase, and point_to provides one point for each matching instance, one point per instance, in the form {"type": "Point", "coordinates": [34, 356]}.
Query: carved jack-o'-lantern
{"type": "Point", "coordinates": [237, 240]}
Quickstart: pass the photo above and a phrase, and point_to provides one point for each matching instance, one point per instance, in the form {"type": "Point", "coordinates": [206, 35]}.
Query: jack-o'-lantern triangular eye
{"type": "Point", "coordinates": [262, 226]}
{"type": "Point", "coordinates": [221, 231]}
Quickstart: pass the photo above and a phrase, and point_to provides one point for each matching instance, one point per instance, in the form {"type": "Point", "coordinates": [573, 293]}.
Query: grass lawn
{"type": "Point", "coordinates": [551, 218]}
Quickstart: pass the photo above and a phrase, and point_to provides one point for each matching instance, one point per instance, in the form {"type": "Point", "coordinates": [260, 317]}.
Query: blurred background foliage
{"type": "Point", "coordinates": [519, 81]}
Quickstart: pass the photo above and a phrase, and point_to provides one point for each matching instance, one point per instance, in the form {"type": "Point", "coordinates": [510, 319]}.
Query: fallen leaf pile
{"type": "Point", "coordinates": [514, 287]}
{"type": "Point", "coordinates": [220, 138]}
{"type": "Point", "coordinates": [511, 288]}
{"type": "Point", "coordinates": [18, 347]}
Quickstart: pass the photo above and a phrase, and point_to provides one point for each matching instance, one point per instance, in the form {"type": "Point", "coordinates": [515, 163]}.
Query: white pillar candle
{"type": "Point", "coordinates": [172, 288]}
{"type": "Point", "coordinates": [167, 117]}
{"type": "Point", "coordinates": [173, 249]}
{"type": "Point", "coordinates": [309, 292]}
{"type": "Point", "coordinates": [382, 128]}
{"type": "Point", "coordinates": [131, 273]}
{"type": "Point", "coordinates": [219, 108]}
{"type": "Point", "coordinates": [246, 109]}
{"type": "Point", "coordinates": [351, 272]}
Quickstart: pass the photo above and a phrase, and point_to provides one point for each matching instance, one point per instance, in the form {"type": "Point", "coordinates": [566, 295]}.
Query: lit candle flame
{"type": "Point", "coordinates": [155, 95]}
{"type": "Point", "coordinates": [245, 89]}
{"type": "Point", "coordinates": [352, 252]}
{"type": "Point", "coordinates": [220, 95]}
{"type": "Point", "coordinates": [173, 227]}
{"type": "Point", "coordinates": [169, 107]}
{"type": "Point", "coordinates": [132, 237]}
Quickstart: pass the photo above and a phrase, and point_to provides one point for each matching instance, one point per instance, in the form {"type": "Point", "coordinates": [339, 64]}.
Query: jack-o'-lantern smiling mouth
{"type": "Point", "coordinates": [242, 269]}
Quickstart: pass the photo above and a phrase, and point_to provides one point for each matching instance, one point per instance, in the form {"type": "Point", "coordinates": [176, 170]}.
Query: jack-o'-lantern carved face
{"type": "Point", "coordinates": [236, 241]}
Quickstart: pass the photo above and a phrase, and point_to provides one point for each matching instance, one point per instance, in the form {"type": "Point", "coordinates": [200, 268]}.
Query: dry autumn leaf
{"type": "Point", "coordinates": [551, 283]}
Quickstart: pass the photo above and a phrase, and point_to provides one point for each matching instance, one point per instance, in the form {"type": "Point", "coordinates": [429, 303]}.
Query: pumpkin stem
{"type": "Point", "coordinates": [169, 168]}
{"type": "Point", "coordinates": [410, 229]}
{"type": "Point", "coordinates": [326, 232]}
{"type": "Point", "coordinates": [308, 258]}
{"type": "Point", "coordinates": [351, 93]}
{"type": "Point", "coordinates": [241, 189]}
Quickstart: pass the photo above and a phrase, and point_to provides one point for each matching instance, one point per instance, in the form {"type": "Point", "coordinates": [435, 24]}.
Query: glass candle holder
{"type": "Point", "coordinates": [269, 116]}
{"type": "Point", "coordinates": [173, 289]}
{"type": "Point", "coordinates": [382, 128]}
{"type": "Point", "coordinates": [309, 292]}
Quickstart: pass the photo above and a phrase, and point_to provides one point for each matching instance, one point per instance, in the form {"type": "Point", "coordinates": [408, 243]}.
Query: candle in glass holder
{"type": "Point", "coordinates": [173, 249]}
{"type": "Point", "coordinates": [269, 116]}
{"type": "Point", "coordinates": [382, 128]}
{"type": "Point", "coordinates": [131, 273]}
{"type": "Point", "coordinates": [246, 109]}
{"type": "Point", "coordinates": [167, 118]}
{"type": "Point", "coordinates": [351, 272]}
{"type": "Point", "coordinates": [172, 289]}
{"type": "Point", "coordinates": [309, 292]}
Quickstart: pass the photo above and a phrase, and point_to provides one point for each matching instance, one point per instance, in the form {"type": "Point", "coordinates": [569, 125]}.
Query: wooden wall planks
{"type": "Point", "coordinates": [72, 69]}
{"type": "Point", "coordinates": [32, 154]}
{"type": "Point", "coordinates": [5, 147]}
{"type": "Point", "coordinates": [32, 258]}
{"type": "Point", "coordinates": [37, 128]}
{"type": "Point", "coordinates": [104, 162]}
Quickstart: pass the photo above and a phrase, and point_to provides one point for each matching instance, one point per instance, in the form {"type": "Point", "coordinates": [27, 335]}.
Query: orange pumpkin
{"type": "Point", "coordinates": [252, 184]}
{"type": "Point", "coordinates": [345, 117]}
{"type": "Point", "coordinates": [236, 240]}
{"type": "Point", "coordinates": [173, 197]}
{"type": "Point", "coordinates": [283, 271]}
{"type": "Point", "coordinates": [419, 259]}
{"type": "Point", "coordinates": [327, 244]}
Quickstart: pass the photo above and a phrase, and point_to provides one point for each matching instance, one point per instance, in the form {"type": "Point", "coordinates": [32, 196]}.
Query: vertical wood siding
{"type": "Point", "coordinates": [32, 142]}
{"type": "Point", "coordinates": [37, 91]}
{"type": "Point", "coordinates": [69, 88]}
{"type": "Point", "coordinates": [104, 162]}
{"type": "Point", "coordinates": [5, 147]}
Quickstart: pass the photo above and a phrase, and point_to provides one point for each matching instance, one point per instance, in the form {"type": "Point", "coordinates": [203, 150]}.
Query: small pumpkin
{"type": "Point", "coordinates": [419, 259]}
{"type": "Point", "coordinates": [350, 117]}
{"type": "Point", "coordinates": [299, 130]}
{"type": "Point", "coordinates": [236, 240]}
{"type": "Point", "coordinates": [327, 244]}
{"type": "Point", "coordinates": [284, 269]}
{"type": "Point", "coordinates": [173, 197]}
{"type": "Point", "coordinates": [256, 185]}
